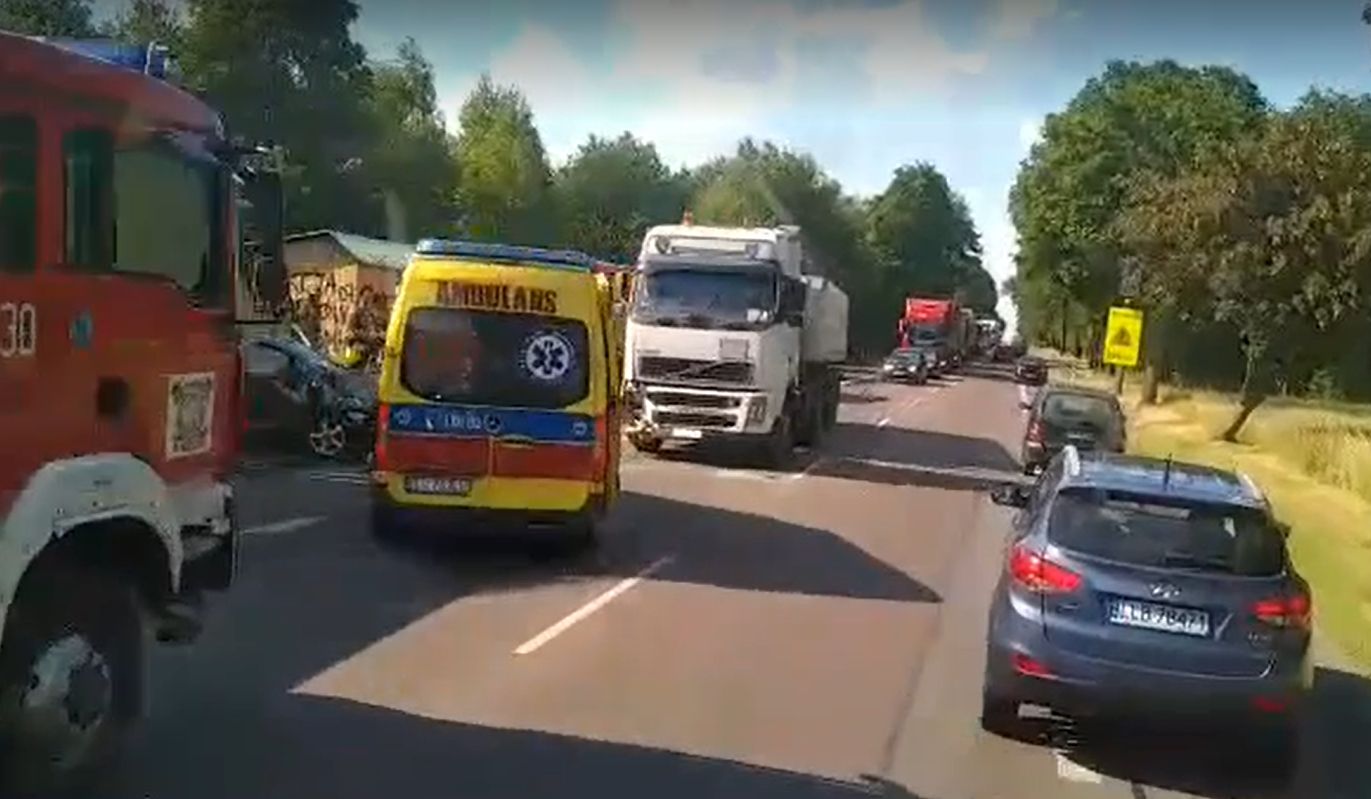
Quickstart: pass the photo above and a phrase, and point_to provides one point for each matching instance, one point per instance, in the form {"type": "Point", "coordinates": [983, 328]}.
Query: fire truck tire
{"type": "Point", "coordinates": [71, 678]}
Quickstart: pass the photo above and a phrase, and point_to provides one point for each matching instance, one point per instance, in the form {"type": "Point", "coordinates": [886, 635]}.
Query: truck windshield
{"type": "Point", "coordinates": [701, 298]}
{"type": "Point", "coordinates": [494, 358]}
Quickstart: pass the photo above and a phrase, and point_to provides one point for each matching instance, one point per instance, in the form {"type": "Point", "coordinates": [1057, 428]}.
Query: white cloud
{"type": "Point", "coordinates": [669, 47]}
{"type": "Point", "coordinates": [1017, 19]}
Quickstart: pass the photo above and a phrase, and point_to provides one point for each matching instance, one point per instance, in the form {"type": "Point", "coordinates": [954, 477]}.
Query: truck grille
{"type": "Point", "coordinates": [687, 371]}
{"type": "Point", "coordinates": [693, 400]}
{"type": "Point", "coordinates": [669, 418]}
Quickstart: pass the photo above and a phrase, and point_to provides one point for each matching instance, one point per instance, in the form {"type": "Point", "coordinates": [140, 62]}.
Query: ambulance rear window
{"type": "Point", "coordinates": [495, 358]}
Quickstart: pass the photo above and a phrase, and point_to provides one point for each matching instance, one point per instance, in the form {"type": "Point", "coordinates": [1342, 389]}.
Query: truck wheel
{"type": "Point", "coordinates": [71, 679]}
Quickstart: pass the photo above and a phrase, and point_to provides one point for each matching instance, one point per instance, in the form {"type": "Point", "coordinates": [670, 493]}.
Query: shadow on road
{"type": "Point", "coordinates": [1002, 372]}
{"type": "Point", "coordinates": [728, 549]}
{"type": "Point", "coordinates": [310, 746]}
{"type": "Point", "coordinates": [854, 398]}
{"type": "Point", "coordinates": [1334, 762]}
{"type": "Point", "coordinates": [924, 458]}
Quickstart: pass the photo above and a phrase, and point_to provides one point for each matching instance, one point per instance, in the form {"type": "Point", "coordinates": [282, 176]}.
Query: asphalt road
{"type": "Point", "coordinates": [741, 633]}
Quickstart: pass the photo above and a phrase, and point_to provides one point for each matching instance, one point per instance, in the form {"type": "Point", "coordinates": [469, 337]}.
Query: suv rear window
{"type": "Point", "coordinates": [494, 358]}
{"type": "Point", "coordinates": [1064, 408]}
{"type": "Point", "coordinates": [1162, 532]}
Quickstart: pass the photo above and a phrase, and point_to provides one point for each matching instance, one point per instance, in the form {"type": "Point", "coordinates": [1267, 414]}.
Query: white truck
{"type": "Point", "coordinates": [728, 339]}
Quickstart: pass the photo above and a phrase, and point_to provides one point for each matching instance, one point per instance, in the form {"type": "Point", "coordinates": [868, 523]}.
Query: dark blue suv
{"type": "Point", "coordinates": [1141, 588]}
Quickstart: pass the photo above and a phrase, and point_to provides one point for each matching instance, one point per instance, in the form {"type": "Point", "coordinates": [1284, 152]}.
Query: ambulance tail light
{"type": "Point", "coordinates": [600, 454]}
{"type": "Point", "coordinates": [381, 455]}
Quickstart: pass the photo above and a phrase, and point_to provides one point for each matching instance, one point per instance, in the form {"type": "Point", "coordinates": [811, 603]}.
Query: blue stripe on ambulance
{"type": "Point", "coordinates": [456, 421]}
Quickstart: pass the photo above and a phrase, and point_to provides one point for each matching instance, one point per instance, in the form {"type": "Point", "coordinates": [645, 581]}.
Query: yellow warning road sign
{"type": "Point", "coordinates": [1123, 336]}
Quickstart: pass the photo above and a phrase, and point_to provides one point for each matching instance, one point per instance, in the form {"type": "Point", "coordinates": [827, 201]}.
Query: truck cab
{"type": "Point", "coordinates": [728, 339]}
{"type": "Point", "coordinates": [119, 386]}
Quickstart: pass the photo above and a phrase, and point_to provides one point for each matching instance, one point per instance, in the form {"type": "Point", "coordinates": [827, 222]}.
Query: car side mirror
{"type": "Point", "coordinates": [1283, 529]}
{"type": "Point", "coordinates": [1010, 496]}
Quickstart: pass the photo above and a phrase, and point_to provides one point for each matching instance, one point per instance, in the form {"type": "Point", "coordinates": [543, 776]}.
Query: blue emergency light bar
{"type": "Point", "coordinates": [505, 253]}
{"type": "Point", "coordinates": [153, 59]}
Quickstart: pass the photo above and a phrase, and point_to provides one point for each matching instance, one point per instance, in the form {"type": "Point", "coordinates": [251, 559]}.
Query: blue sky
{"type": "Point", "coordinates": [864, 85]}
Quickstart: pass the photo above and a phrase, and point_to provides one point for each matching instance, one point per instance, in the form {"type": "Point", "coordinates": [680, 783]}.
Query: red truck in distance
{"type": "Point", "coordinates": [932, 323]}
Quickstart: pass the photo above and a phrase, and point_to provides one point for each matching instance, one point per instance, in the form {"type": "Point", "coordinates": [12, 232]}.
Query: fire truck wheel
{"type": "Point", "coordinates": [71, 678]}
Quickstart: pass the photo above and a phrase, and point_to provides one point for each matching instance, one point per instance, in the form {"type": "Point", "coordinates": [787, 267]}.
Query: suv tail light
{"type": "Point", "coordinates": [1037, 574]}
{"type": "Point", "coordinates": [1293, 611]}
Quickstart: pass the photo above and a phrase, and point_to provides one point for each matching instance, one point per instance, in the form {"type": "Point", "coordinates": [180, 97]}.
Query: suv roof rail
{"type": "Point", "coordinates": [1073, 459]}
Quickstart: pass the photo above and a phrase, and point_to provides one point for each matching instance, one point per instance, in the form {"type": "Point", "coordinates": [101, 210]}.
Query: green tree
{"type": "Point", "coordinates": [503, 174]}
{"type": "Point", "coordinates": [762, 184]}
{"type": "Point", "coordinates": [47, 17]}
{"type": "Point", "coordinates": [148, 21]}
{"type": "Point", "coordinates": [411, 161]}
{"type": "Point", "coordinates": [1273, 237]}
{"type": "Point", "coordinates": [611, 191]}
{"type": "Point", "coordinates": [929, 240]}
{"type": "Point", "coordinates": [290, 74]}
{"type": "Point", "coordinates": [1131, 121]}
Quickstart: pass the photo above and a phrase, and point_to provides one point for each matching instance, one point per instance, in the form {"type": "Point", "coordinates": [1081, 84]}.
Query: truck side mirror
{"type": "Point", "coordinates": [263, 190]}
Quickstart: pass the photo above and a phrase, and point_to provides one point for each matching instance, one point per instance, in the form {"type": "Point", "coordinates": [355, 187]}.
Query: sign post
{"type": "Point", "coordinates": [1123, 340]}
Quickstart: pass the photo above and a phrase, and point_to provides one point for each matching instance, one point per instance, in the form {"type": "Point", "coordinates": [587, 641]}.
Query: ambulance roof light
{"type": "Point", "coordinates": [505, 253]}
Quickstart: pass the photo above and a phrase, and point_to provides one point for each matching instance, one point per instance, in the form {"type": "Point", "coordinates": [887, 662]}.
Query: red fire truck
{"type": "Point", "coordinates": [121, 231]}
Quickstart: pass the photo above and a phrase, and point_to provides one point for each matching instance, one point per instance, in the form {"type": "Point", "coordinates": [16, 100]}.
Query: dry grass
{"type": "Point", "coordinates": [1314, 462]}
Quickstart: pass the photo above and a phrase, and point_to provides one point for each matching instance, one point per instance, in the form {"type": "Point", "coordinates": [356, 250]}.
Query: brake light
{"type": "Point", "coordinates": [1036, 573]}
{"type": "Point", "coordinates": [1029, 667]}
{"type": "Point", "coordinates": [1284, 611]}
{"type": "Point", "coordinates": [380, 455]}
{"type": "Point", "coordinates": [600, 452]}
{"type": "Point", "coordinates": [1036, 431]}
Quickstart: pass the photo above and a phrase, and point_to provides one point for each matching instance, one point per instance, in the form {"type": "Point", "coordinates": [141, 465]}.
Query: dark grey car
{"type": "Point", "coordinates": [1059, 415]}
{"type": "Point", "coordinates": [1139, 588]}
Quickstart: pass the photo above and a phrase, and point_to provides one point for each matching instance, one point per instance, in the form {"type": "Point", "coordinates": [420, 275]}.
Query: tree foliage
{"type": "Point", "coordinates": [611, 191]}
{"type": "Point", "coordinates": [1131, 121]}
{"type": "Point", "coordinates": [1271, 237]}
{"type": "Point", "coordinates": [412, 163]}
{"type": "Point", "coordinates": [47, 17]}
{"type": "Point", "coordinates": [503, 172]}
{"type": "Point", "coordinates": [148, 21]}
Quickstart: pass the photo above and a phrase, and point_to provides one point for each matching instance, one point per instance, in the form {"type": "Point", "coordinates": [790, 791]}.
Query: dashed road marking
{"type": "Point", "coordinates": [567, 622]}
{"type": "Point", "coordinates": [885, 420]}
{"type": "Point", "coordinates": [1075, 772]}
{"type": "Point", "coordinates": [349, 478]}
{"type": "Point", "coordinates": [283, 526]}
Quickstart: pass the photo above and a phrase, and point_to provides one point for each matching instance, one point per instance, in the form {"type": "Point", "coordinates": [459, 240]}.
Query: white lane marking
{"type": "Point", "coordinates": [537, 641]}
{"type": "Point", "coordinates": [1075, 772]}
{"type": "Point", "coordinates": [283, 526]}
{"type": "Point", "coordinates": [349, 478]}
{"type": "Point", "coordinates": [885, 420]}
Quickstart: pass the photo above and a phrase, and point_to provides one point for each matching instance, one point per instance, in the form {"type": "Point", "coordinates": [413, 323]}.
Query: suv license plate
{"type": "Point", "coordinates": [1165, 618]}
{"type": "Point", "coordinates": [449, 486]}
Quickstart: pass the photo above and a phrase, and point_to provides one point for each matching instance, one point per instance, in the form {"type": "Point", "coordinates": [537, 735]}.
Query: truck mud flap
{"type": "Point", "coordinates": [211, 560]}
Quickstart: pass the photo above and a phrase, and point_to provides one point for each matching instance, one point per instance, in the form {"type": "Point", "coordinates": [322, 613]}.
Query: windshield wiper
{"type": "Point", "coordinates": [1187, 560]}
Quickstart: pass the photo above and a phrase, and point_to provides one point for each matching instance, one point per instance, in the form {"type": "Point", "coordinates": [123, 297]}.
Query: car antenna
{"type": "Point", "coordinates": [1166, 475]}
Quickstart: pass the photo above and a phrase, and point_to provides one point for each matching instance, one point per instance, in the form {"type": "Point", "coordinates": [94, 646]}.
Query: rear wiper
{"type": "Point", "coordinates": [1187, 560]}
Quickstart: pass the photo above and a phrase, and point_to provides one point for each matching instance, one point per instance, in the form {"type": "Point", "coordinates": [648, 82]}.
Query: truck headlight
{"type": "Point", "coordinates": [756, 410]}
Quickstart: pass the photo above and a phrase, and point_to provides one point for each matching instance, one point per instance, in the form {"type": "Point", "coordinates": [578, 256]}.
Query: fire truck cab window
{"type": "Point", "coordinates": [18, 209]}
{"type": "Point", "coordinates": [166, 220]}
{"type": "Point", "coordinates": [145, 209]}
{"type": "Point", "coordinates": [87, 157]}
